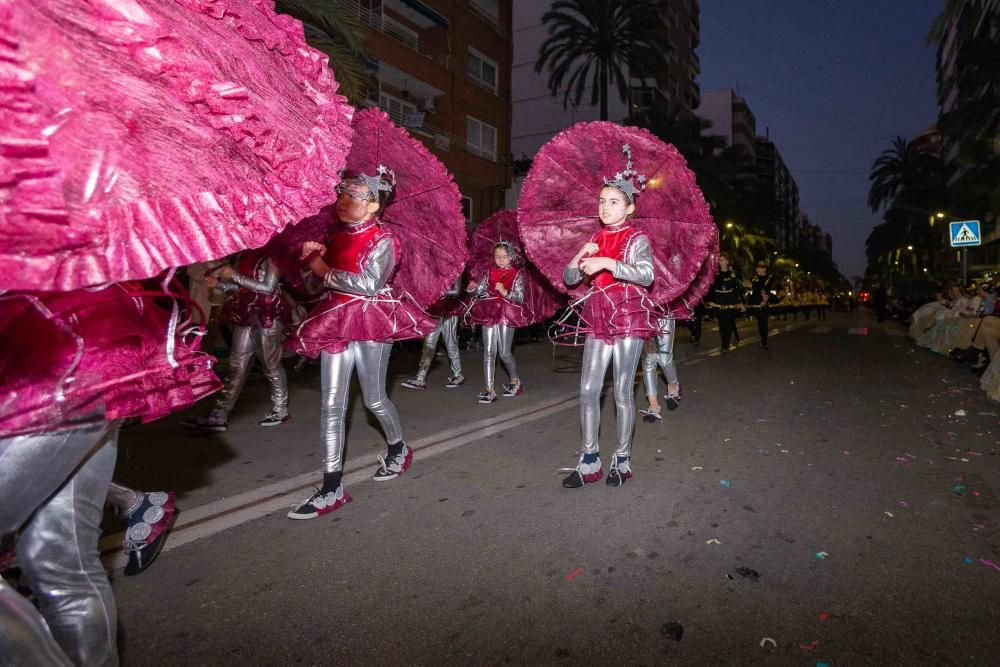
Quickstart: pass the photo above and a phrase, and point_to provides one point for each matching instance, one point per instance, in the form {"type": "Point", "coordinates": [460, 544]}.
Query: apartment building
{"type": "Point", "coordinates": [442, 69]}
{"type": "Point", "coordinates": [537, 115]}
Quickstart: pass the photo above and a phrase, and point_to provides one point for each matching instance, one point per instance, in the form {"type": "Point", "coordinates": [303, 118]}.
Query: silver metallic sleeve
{"type": "Point", "coordinates": [638, 265]}
{"type": "Point", "coordinates": [482, 287]}
{"type": "Point", "coordinates": [373, 276]}
{"type": "Point", "coordinates": [516, 293]}
{"type": "Point", "coordinates": [227, 287]}
{"type": "Point", "coordinates": [269, 285]}
{"type": "Point", "coordinates": [572, 274]}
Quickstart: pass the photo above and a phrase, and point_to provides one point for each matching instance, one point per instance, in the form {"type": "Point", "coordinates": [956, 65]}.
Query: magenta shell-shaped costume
{"type": "Point", "coordinates": [540, 300]}
{"type": "Point", "coordinates": [424, 220]}
{"type": "Point", "coordinates": [138, 136]}
{"type": "Point", "coordinates": [104, 352]}
{"type": "Point", "coordinates": [557, 214]}
{"type": "Point", "coordinates": [682, 308]}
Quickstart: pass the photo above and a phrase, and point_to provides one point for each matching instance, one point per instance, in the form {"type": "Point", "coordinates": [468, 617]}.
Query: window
{"type": "Point", "coordinates": [467, 209]}
{"type": "Point", "coordinates": [482, 70]}
{"type": "Point", "coordinates": [395, 107]}
{"type": "Point", "coordinates": [481, 139]}
{"type": "Point", "coordinates": [489, 8]}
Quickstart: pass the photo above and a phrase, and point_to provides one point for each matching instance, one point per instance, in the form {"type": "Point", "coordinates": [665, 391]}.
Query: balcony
{"type": "Point", "coordinates": [444, 140]}
{"type": "Point", "coordinates": [397, 32]}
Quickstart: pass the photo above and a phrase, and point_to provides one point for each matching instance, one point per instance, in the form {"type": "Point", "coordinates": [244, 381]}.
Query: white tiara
{"type": "Point", "coordinates": [376, 183]}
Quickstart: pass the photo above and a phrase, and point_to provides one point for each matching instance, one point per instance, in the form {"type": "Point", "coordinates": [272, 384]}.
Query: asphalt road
{"type": "Point", "coordinates": [819, 502]}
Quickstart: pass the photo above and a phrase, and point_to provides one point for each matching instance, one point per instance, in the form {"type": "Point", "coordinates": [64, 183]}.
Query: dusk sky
{"type": "Point", "coordinates": [835, 82]}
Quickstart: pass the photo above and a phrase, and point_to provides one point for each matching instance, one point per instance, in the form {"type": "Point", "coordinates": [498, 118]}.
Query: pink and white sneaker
{"type": "Point", "coordinates": [413, 383]}
{"type": "Point", "coordinates": [513, 389]}
{"type": "Point", "coordinates": [320, 503]}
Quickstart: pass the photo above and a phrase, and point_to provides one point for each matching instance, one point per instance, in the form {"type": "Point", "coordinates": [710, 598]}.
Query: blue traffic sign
{"type": "Point", "coordinates": [965, 233]}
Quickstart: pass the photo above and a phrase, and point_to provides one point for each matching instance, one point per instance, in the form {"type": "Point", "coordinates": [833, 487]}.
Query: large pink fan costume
{"type": "Point", "coordinates": [396, 244]}
{"type": "Point", "coordinates": [656, 253]}
{"type": "Point", "coordinates": [136, 136]}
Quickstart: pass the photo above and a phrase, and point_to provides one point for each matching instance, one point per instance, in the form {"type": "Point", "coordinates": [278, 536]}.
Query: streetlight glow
{"type": "Point", "coordinates": [729, 225]}
{"type": "Point", "coordinates": [909, 247]}
{"type": "Point", "coordinates": [939, 214]}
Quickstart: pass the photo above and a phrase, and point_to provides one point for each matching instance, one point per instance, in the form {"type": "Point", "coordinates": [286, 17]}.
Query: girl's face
{"type": "Point", "coordinates": [723, 263]}
{"type": "Point", "coordinates": [354, 203]}
{"type": "Point", "coordinates": [614, 207]}
{"type": "Point", "coordinates": [501, 257]}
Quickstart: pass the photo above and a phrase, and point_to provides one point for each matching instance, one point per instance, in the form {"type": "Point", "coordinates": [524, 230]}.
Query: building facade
{"type": "Point", "coordinates": [731, 118]}
{"type": "Point", "coordinates": [538, 115]}
{"type": "Point", "coordinates": [442, 69]}
{"type": "Point", "coordinates": [970, 22]}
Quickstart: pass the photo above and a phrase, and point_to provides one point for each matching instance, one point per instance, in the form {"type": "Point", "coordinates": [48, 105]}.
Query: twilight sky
{"type": "Point", "coordinates": [835, 82]}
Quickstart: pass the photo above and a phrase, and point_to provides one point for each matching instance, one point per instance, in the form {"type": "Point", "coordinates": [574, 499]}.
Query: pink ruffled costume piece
{"type": "Point", "coordinates": [339, 318]}
{"type": "Point", "coordinates": [494, 308]}
{"type": "Point", "coordinates": [138, 135]}
{"type": "Point", "coordinates": [540, 300]}
{"type": "Point", "coordinates": [67, 356]}
{"type": "Point", "coordinates": [558, 206]}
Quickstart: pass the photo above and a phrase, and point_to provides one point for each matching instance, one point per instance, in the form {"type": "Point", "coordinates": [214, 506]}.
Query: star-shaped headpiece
{"type": "Point", "coordinates": [384, 180]}
{"type": "Point", "coordinates": [629, 181]}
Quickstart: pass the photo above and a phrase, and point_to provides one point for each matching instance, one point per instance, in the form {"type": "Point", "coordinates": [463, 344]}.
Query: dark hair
{"type": "Point", "coordinates": [383, 197]}
{"type": "Point", "coordinates": [726, 255]}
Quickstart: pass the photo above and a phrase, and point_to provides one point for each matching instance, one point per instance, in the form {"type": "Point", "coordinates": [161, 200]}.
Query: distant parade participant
{"type": "Point", "coordinates": [660, 354]}
{"type": "Point", "coordinates": [725, 298]}
{"type": "Point", "coordinates": [448, 308]}
{"type": "Point", "coordinates": [498, 305]}
{"type": "Point", "coordinates": [761, 292]}
{"type": "Point", "coordinates": [259, 316]}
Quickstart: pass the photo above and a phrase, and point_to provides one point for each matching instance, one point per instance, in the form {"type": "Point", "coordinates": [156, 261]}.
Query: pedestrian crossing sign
{"type": "Point", "coordinates": [965, 233]}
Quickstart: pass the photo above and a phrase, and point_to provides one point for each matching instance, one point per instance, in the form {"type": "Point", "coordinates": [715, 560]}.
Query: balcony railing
{"type": "Point", "coordinates": [443, 139]}
{"type": "Point", "coordinates": [388, 28]}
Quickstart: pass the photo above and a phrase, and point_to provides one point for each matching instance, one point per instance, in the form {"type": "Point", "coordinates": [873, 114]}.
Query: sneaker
{"type": "Point", "coordinates": [620, 471]}
{"type": "Point", "coordinates": [583, 473]}
{"type": "Point", "coordinates": [651, 416]}
{"type": "Point", "coordinates": [454, 381]}
{"type": "Point", "coordinates": [487, 397]}
{"type": "Point", "coordinates": [320, 503]}
{"type": "Point", "coordinates": [513, 389]}
{"type": "Point", "coordinates": [147, 530]}
{"type": "Point", "coordinates": [274, 419]}
{"type": "Point", "coordinates": [673, 400]}
{"type": "Point", "coordinates": [413, 383]}
{"type": "Point", "coordinates": [391, 467]}
{"type": "Point", "coordinates": [213, 422]}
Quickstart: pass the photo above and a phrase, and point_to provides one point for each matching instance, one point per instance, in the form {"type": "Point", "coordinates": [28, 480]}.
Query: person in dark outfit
{"type": "Point", "coordinates": [726, 298]}
{"type": "Point", "coordinates": [761, 292]}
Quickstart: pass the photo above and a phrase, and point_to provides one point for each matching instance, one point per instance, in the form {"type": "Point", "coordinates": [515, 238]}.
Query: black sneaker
{"type": "Point", "coordinates": [320, 503]}
{"type": "Point", "coordinates": [213, 422]}
{"type": "Point", "coordinates": [391, 467]}
{"type": "Point", "coordinates": [487, 397]}
{"type": "Point", "coordinates": [147, 530]}
{"type": "Point", "coordinates": [620, 471]}
{"type": "Point", "coordinates": [673, 400]}
{"type": "Point", "coordinates": [455, 381]}
{"type": "Point", "coordinates": [274, 419]}
{"type": "Point", "coordinates": [513, 389]}
{"type": "Point", "coordinates": [583, 473]}
{"type": "Point", "coordinates": [651, 416]}
{"type": "Point", "coordinates": [413, 383]}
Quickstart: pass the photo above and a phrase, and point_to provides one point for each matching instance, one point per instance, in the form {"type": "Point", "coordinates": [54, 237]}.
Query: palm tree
{"type": "Point", "coordinates": [336, 29]}
{"type": "Point", "coordinates": [598, 41]}
{"type": "Point", "coordinates": [744, 246]}
{"type": "Point", "coordinates": [902, 170]}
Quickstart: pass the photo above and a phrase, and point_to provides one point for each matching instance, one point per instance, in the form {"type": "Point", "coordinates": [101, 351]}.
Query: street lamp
{"type": "Point", "coordinates": [909, 247]}
{"type": "Point", "coordinates": [729, 225]}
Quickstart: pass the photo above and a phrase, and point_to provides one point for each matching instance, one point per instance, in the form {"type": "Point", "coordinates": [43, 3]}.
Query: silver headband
{"type": "Point", "coordinates": [630, 182]}
{"type": "Point", "coordinates": [376, 183]}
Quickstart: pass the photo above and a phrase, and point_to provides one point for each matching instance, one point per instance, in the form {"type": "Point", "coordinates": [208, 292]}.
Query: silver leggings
{"type": "Point", "coordinates": [266, 343]}
{"type": "Point", "coordinates": [448, 327]}
{"type": "Point", "coordinates": [596, 356]}
{"type": "Point", "coordinates": [660, 352]}
{"type": "Point", "coordinates": [498, 336]}
{"type": "Point", "coordinates": [372, 361]}
{"type": "Point", "coordinates": [52, 488]}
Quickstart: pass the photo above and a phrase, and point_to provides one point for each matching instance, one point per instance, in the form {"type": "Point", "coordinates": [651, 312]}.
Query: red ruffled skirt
{"type": "Point", "coordinates": [339, 319]}
{"type": "Point", "coordinates": [68, 356]}
{"type": "Point", "coordinates": [620, 311]}
{"type": "Point", "coordinates": [497, 310]}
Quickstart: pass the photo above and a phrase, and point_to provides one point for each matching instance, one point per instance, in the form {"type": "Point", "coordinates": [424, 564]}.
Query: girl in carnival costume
{"type": "Point", "coordinates": [448, 308]}
{"type": "Point", "coordinates": [259, 316]}
{"type": "Point", "coordinates": [499, 307]}
{"type": "Point", "coordinates": [354, 326]}
{"type": "Point", "coordinates": [617, 264]}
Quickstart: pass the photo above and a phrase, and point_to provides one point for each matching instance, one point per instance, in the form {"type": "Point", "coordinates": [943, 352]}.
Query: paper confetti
{"type": "Point", "coordinates": [822, 555]}
{"type": "Point", "coordinates": [574, 574]}
{"type": "Point", "coordinates": [767, 640]}
{"type": "Point", "coordinates": [713, 541]}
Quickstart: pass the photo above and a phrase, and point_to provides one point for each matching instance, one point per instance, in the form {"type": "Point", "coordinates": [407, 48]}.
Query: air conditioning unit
{"type": "Point", "coordinates": [427, 104]}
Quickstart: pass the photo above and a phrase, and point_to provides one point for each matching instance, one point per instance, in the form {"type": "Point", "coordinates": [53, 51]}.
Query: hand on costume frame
{"type": "Point", "coordinates": [211, 282]}
{"type": "Point", "coordinates": [501, 289]}
{"type": "Point", "coordinates": [471, 287]}
{"type": "Point", "coordinates": [226, 272]}
{"type": "Point", "coordinates": [593, 265]}
{"type": "Point", "coordinates": [309, 247]}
